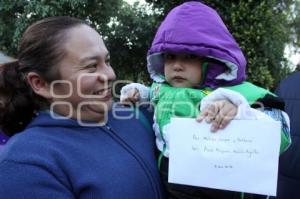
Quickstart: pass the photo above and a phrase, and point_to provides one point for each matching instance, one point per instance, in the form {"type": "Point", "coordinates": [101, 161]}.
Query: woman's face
{"type": "Point", "coordinates": [85, 89]}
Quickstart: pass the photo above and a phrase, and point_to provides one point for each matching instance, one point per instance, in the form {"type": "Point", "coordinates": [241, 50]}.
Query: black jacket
{"type": "Point", "coordinates": [289, 165]}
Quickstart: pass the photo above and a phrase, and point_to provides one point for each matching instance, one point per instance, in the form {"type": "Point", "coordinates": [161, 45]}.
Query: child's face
{"type": "Point", "coordinates": [182, 70]}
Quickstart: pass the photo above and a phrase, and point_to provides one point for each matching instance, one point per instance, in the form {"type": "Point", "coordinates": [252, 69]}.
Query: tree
{"type": "Point", "coordinates": [127, 30]}
{"type": "Point", "coordinates": [16, 15]}
{"type": "Point", "coordinates": [262, 28]}
{"type": "Point", "coordinates": [134, 29]}
{"type": "Point", "coordinates": [298, 67]}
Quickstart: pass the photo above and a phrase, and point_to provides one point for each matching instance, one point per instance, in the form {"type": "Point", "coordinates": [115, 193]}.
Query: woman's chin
{"type": "Point", "coordinates": [94, 111]}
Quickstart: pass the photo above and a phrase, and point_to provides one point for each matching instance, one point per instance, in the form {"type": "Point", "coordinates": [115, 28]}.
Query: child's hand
{"type": "Point", "coordinates": [132, 95]}
{"type": "Point", "coordinates": [219, 113]}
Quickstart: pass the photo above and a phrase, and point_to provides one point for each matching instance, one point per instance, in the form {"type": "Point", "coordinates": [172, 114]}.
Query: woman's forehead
{"type": "Point", "coordinates": [83, 41]}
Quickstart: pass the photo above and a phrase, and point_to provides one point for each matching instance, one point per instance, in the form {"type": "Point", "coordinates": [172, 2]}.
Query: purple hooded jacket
{"type": "Point", "coordinates": [198, 29]}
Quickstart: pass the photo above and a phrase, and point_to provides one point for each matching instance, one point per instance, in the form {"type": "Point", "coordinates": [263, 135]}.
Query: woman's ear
{"type": "Point", "coordinates": [39, 85]}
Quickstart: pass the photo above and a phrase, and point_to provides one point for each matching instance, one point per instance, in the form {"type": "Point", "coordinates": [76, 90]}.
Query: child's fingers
{"type": "Point", "coordinates": [220, 121]}
{"type": "Point", "coordinates": [223, 121]}
{"type": "Point", "coordinates": [124, 100]}
{"type": "Point", "coordinates": [219, 113]}
{"type": "Point", "coordinates": [201, 116]}
{"type": "Point", "coordinates": [222, 117]}
{"type": "Point", "coordinates": [212, 112]}
{"type": "Point", "coordinates": [216, 123]}
{"type": "Point", "coordinates": [136, 95]}
{"type": "Point", "coordinates": [229, 111]}
{"type": "Point", "coordinates": [132, 96]}
{"type": "Point", "coordinates": [228, 117]}
{"type": "Point", "coordinates": [226, 114]}
{"type": "Point", "coordinates": [207, 112]}
{"type": "Point", "coordinates": [127, 101]}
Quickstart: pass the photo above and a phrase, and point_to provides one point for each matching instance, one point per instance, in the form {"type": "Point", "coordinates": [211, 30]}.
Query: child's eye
{"type": "Point", "coordinates": [190, 56]}
{"type": "Point", "coordinates": [168, 56]}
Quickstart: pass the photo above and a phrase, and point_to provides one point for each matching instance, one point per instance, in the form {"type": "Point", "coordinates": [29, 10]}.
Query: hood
{"type": "Point", "coordinates": [198, 29]}
{"type": "Point", "coordinates": [49, 118]}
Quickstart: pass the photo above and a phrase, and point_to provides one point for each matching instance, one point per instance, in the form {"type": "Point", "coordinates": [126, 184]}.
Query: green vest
{"type": "Point", "coordinates": [184, 102]}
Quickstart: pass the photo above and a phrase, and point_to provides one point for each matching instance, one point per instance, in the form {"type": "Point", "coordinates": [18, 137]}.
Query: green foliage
{"type": "Point", "coordinates": [262, 28]}
{"type": "Point", "coordinates": [127, 30]}
{"type": "Point", "coordinates": [297, 67]}
{"type": "Point", "coordinates": [262, 43]}
{"type": "Point", "coordinates": [16, 15]}
{"type": "Point", "coordinates": [132, 31]}
{"type": "Point", "coordinates": [294, 23]}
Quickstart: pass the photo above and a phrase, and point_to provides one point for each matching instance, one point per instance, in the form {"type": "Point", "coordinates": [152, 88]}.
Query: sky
{"type": "Point", "coordinates": [132, 1]}
{"type": "Point", "coordinates": [292, 56]}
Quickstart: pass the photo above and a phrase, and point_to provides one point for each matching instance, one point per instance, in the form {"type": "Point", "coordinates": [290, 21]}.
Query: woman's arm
{"type": "Point", "coordinates": [28, 181]}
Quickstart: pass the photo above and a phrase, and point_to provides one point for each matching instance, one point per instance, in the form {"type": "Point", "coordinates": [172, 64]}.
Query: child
{"type": "Point", "coordinates": [191, 56]}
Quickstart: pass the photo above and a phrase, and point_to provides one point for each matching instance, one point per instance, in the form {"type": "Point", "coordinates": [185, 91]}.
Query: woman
{"type": "Point", "coordinates": [58, 96]}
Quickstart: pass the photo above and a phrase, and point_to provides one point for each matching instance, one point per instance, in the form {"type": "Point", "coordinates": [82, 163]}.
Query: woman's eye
{"type": "Point", "coordinates": [107, 61]}
{"type": "Point", "coordinates": [92, 65]}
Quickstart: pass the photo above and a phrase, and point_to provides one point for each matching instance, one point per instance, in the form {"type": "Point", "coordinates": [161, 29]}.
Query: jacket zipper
{"type": "Point", "coordinates": [136, 156]}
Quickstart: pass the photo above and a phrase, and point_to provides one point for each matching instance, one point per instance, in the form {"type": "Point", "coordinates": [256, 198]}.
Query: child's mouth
{"type": "Point", "coordinates": [178, 78]}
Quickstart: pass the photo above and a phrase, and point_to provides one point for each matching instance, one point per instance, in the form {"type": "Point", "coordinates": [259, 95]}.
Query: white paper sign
{"type": "Point", "coordinates": [243, 157]}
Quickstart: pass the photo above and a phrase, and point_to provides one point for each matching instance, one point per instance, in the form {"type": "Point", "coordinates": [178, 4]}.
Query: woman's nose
{"type": "Point", "coordinates": [111, 73]}
{"type": "Point", "coordinates": [107, 74]}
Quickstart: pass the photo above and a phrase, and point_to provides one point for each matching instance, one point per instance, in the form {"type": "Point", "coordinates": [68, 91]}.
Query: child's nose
{"type": "Point", "coordinates": [178, 65]}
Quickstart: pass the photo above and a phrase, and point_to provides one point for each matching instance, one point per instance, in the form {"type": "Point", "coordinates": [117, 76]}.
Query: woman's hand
{"type": "Point", "coordinates": [219, 114]}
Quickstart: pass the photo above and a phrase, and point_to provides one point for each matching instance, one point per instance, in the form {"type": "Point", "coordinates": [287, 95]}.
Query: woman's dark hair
{"type": "Point", "coordinates": [40, 50]}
